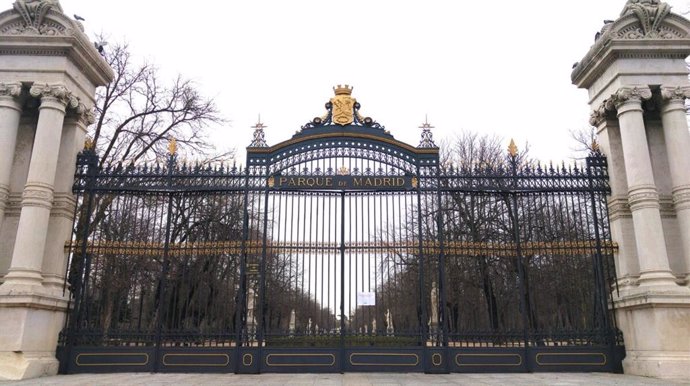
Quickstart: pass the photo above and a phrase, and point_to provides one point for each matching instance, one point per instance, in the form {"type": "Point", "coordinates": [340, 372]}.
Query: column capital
{"type": "Point", "coordinates": [598, 116]}
{"type": "Point", "coordinates": [10, 94]}
{"type": "Point", "coordinates": [633, 95]}
{"type": "Point", "coordinates": [675, 93]}
{"type": "Point", "coordinates": [12, 90]}
{"type": "Point", "coordinates": [85, 115]}
{"type": "Point", "coordinates": [57, 92]}
{"type": "Point", "coordinates": [674, 98]}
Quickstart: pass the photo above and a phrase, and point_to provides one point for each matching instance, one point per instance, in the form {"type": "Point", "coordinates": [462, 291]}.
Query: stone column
{"type": "Point", "coordinates": [674, 120]}
{"type": "Point", "coordinates": [62, 214]}
{"type": "Point", "coordinates": [622, 228]}
{"type": "Point", "coordinates": [37, 198]}
{"type": "Point", "coordinates": [10, 113]}
{"type": "Point", "coordinates": [643, 196]}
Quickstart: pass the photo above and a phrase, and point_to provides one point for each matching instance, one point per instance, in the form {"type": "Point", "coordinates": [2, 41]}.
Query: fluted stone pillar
{"type": "Point", "coordinates": [674, 120]}
{"type": "Point", "coordinates": [10, 113]}
{"type": "Point", "coordinates": [622, 228]}
{"type": "Point", "coordinates": [37, 198]}
{"type": "Point", "coordinates": [62, 213]}
{"type": "Point", "coordinates": [643, 196]}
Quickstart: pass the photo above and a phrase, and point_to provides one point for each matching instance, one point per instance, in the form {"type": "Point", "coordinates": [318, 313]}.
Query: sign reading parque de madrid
{"type": "Point", "coordinates": [343, 182]}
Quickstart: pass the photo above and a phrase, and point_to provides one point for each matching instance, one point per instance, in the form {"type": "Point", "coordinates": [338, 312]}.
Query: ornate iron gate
{"type": "Point", "coordinates": [341, 249]}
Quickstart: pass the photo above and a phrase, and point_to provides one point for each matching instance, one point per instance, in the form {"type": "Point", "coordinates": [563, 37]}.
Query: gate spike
{"type": "Point", "coordinates": [512, 148]}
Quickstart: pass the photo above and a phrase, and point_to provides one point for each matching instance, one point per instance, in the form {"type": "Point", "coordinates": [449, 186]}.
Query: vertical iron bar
{"type": "Point", "coordinates": [519, 260]}
{"type": "Point", "coordinates": [441, 262]}
{"type": "Point", "coordinates": [422, 304]}
{"type": "Point", "coordinates": [262, 273]}
{"type": "Point", "coordinates": [164, 272]}
{"type": "Point", "coordinates": [342, 280]}
{"type": "Point", "coordinates": [598, 262]}
{"type": "Point", "coordinates": [240, 297]}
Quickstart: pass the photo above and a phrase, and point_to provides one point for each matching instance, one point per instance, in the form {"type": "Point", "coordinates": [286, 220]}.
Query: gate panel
{"type": "Point", "coordinates": [341, 250]}
{"type": "Point", "coordinates": [382, 270]}
{"type": "Point", "coordinates": [303, 275]}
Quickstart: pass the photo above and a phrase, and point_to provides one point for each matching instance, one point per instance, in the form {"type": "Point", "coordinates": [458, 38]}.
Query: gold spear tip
{"type": "Point", "coordinates": [512, 148]}
{"type": "Point", "coordinates": [88, 143]}
{"type": "Point", "coordinates": [172, 146]}
{"type": "Point", "coordinates": [595, 146]}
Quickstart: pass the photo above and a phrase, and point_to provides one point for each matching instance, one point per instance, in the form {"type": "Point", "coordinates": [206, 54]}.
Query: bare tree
{"type": "Point", "coordinates": [584, 141]}
{"type": "Point", "coordinates": [138, 112]}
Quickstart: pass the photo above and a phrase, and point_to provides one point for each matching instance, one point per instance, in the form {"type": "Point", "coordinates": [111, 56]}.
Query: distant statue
{"type": "Point", "coordinates": [293, 322]}
{"type": "Point", "coordinates": [390, 330]}
{"type": "Point", "coordinates": [650, 13]}
{"type": "Point", "coordinates": [366, 329]}
{"type": "Point", "coordinates": [251, 319]}
{"type": "Point", "coordinates": [316, 329]}
{"type": "Point", "coordinates": [309, 327]}
{"type": "Point", "coordinates": [373, 326]}
{"type": "Point", "coordinates": [433, 321]}
{"type": "Point", "coordinates": [33, 11]}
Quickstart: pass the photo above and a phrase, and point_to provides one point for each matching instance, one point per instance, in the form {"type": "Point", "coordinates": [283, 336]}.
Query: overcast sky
{"type": "Point", "coordinates": [499, 66]}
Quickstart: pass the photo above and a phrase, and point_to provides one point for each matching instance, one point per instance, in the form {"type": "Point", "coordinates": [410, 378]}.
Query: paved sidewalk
{"type": "Point", "coordinates": [377, 379]}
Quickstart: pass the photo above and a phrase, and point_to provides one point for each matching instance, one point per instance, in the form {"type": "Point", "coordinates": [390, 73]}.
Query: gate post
{"type": "Point", "coordinates": [89, 159]}
{"type": "Point", "coordinates": [47, 59]}
{"type": "Point", "coordinates": [442, 275]}
{"type": "Point", "coordinates": [637, 80]}
{"type": "Point", "coordinates": [519, 261]}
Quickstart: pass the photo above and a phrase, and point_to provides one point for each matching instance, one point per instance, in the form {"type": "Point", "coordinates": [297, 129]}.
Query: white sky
{"type": "Point", "coordinates": [497, 66]}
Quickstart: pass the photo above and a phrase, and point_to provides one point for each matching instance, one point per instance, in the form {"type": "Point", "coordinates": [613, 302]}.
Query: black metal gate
{"type": "Point", "coordinates": [341, 249]}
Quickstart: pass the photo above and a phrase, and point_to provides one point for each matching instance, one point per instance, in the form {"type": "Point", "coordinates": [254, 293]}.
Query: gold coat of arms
{"type": "Point", "coordinates": [343, 105]}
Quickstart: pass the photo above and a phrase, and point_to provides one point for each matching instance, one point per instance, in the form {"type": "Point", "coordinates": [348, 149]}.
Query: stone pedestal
{"type": "Point", "coordinates": [637, 81]}
{"type": "Point", "coordinates": [48, 63]}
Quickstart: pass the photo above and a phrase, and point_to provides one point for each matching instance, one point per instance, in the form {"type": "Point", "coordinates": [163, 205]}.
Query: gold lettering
{"type": "Point", "coordinates": [357, 181]}
{"type": "Point", "coordinates": [310, 181]}
{"type": "Point", "coordinates": [283, 180]}
{"type": "Point", "coordinates": [387, 182]}
{"type": "Point", "coordinates": [301, 181]}
{"type": "Point", "coordinates": [292, 182]}
{"type": "Point", "coordinates": [399, 181]}
{"type": "Point", "coordinates": [329, 181]}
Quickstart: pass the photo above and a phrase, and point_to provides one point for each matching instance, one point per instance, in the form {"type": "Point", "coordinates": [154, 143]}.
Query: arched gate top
{"type": "Point", "coordinates": [344, 129]}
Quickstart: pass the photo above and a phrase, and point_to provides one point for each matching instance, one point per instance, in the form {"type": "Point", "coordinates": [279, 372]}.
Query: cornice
{"type": "Point", "coordinates": [65, 38]}
{"type": "Point", "coordinates": [625, 39]}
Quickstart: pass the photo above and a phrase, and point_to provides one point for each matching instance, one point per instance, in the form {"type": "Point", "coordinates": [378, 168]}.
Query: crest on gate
{"type": "Point", "coordinates": [343, 105]}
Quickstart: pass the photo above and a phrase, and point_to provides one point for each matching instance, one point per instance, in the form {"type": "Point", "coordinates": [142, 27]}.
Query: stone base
{"type": "Point", "coordinates": [17, 365]}
{"type": "Point", "coordinates": [30, 323]}
{"type": "Point", "coordinates": [665, 365]}
{"type": "Point", "coordinates": [656, 330]}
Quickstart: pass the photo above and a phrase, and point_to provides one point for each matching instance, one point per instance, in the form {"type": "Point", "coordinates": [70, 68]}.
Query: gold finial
{"type": "Point", "coordinates": [344, 171]}
{"type": "Point", "coordinates": [271, 182]}
{"type": "Point", "coordinates": [415, 182]}
{"type": "Point", "coordinates": [88, 143]}
{"type": "Point", "coordinates": [172, 146]}
{"type": "Point", "coordinates": [512, 148]}
{"type": "Point", "coordinates": [595, 146]}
